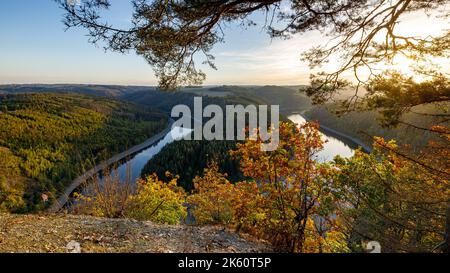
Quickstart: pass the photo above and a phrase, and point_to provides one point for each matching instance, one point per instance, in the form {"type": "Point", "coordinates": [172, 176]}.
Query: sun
{"type": "Point", "coordinates": [406, 66]}
{"type": "Point", "coordinates": [403, 65]}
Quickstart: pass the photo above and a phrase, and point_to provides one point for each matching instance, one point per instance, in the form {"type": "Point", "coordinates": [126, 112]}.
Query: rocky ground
{"type": "Point", "coordinates": [70, 233]}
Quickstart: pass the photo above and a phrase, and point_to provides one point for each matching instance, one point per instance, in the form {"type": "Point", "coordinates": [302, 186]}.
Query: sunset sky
{"type": "Point", "coordinates": [34, 48]}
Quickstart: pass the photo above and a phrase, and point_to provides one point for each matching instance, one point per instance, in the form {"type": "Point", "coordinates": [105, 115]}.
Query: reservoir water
{"type": "Point", "coordinates": [333, 146]}
{"type": "Point", "coordinates": [132, 168]}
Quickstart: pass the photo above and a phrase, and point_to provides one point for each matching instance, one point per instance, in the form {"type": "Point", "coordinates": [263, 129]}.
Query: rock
{"type": "Point", "coordinates": [73, 247]}
{"type": "Point", "coordinates": [232, 249]}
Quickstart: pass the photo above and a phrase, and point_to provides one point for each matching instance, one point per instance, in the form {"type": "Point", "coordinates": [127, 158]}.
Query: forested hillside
{"type": "Point", "coordinates": [165, 101]}
{"type": "Point", "coordinates": [364, 125]}
{"type": "Point", "coordinates": [290, 99]}
{"type": "Point", "coordinates": [46, 140]}
{"type": "Point", "coordinates": [192, 157]}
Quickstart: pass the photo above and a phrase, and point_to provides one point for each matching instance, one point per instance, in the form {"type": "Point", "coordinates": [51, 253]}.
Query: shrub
{"type": "Point", "coordinates": [104, 198]}
{"type": "Point", "coordinates": [212, 201]}
{"type": "Point", "coordinates": [151, 199]}
{"type": "Point", "coordinates": [157, 201]}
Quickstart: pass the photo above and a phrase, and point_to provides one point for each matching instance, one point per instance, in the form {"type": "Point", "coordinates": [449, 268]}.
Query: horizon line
{"type": "Point", "coordinates": [143, 85]}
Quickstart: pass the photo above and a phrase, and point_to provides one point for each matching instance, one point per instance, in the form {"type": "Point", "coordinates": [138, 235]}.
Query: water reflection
{"type": "Point", "coordinates": [133, 167]}
{"type": "Point", "coordinates": [332, 147]}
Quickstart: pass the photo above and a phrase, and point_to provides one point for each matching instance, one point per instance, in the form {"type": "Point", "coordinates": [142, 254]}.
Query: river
{"type": "Point", "coordinates": [333, 145]}
{"type": "Point", "coordinates": [133, 167]}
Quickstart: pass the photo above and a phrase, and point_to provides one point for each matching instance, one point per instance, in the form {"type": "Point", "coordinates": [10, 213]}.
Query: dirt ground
{"type": "Point", "coordinates": [70, 233]}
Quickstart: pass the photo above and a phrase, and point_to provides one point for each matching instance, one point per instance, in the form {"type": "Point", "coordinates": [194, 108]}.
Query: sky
{"type": "Point", "coordinates": [35, 48]}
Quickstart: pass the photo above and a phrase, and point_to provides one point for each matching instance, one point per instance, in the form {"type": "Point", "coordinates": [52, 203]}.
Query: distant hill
{"type": "Point", "coordinates": [290, 99]}
{"type": "Point", "coordinates": [158, 100]}
{"type": "Point", "coordinates": [96, 90]}
{"type": "Point", "coordinates": [164, 100]}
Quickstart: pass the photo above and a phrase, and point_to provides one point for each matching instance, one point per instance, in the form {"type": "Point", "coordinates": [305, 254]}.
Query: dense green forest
{"type": "Point", "coordinates": [47, 139]}
{"type": "Point", "coordinates": [188, 159]}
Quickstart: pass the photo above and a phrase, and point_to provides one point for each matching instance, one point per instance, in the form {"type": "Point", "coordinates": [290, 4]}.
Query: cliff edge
{"type": "Point", "coordinates": [74, 233]}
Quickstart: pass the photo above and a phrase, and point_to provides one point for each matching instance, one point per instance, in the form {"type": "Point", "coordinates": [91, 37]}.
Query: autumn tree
{"type": "Point", "coordinates": [298, 187]}
{"type": "Point", "coordinates": [213, 198]}
{"type": "Point", "coordinates": [288, 199]}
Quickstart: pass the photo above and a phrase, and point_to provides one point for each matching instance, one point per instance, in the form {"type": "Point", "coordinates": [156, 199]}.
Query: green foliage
{"type": "Point", "coordinates": [11, 191]}
{"type": "Point", "coordinates": [56, 137]}
{"type": "Point", "coordinates": [10, 198]}
{"type": "Point", "coordinates": [394, 94]}
{"type": "Point", "coordinates": [157, 201]}
{"type": "Point", "coordinates": [392, 200]}
{"type": "Point", "coordinates": [147, 200]}
{"type": "Point", "coordinates": [192, 157]}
